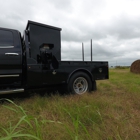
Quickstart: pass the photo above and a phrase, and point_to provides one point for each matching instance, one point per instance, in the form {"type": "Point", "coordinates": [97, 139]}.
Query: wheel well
{"type": "Point", "coordinates": [81, 70]}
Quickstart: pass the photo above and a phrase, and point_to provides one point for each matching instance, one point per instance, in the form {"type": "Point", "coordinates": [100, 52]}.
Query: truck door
{"type": "Point", "coordinates": [10, 57]}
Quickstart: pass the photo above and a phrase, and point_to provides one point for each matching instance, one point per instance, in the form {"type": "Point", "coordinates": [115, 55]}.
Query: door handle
{"type": "Point", "coordinates": [12, 54]}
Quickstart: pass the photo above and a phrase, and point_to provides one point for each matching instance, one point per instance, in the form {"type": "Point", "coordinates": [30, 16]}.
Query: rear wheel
{"type": "Point", "coordinates": [79, 83]}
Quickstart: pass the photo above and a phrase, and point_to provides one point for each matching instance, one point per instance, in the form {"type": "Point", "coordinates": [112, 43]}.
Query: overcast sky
{"type": "Point", "coordinates": [113, 26]}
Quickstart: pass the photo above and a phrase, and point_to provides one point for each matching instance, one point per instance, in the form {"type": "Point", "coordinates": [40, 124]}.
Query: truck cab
{"type": "Point", "coordinates": [10, 58]}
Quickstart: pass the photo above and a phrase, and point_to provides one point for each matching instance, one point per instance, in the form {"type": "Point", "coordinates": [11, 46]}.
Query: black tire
{"type": "Point", "coordinates": [79, 83]}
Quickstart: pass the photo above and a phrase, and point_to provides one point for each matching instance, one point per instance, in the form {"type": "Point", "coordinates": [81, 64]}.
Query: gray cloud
{"type": "Point", "coordinates": [113, 25]}
{"type": "Point", "coordinates": [125, 27]}
{"type": "Point", "coordinates": [62, 4]}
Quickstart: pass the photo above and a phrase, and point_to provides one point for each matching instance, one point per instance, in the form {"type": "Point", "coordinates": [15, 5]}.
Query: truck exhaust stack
{"type": "Point", "coordinates": [83, 51]}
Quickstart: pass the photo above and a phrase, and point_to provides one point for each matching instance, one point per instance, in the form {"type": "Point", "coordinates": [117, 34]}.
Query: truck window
{"type": "Point", "coordinates": [6, 39]}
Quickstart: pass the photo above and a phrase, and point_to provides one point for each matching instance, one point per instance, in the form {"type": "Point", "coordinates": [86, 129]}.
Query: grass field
{"type": "Point", "coordinates": [110, 113]}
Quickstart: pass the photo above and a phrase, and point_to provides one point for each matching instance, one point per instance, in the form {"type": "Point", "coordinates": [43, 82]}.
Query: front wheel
{"type": "Point", "coordinates": [79, 83]}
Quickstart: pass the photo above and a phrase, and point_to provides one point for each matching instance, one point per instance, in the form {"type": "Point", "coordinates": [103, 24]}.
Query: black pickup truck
{"type": "Point", "coordinates": [34, 61]}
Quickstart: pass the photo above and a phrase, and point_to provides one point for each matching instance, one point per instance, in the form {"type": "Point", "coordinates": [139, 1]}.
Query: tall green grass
{"type": "Point", "coordinates": [110, 113]}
